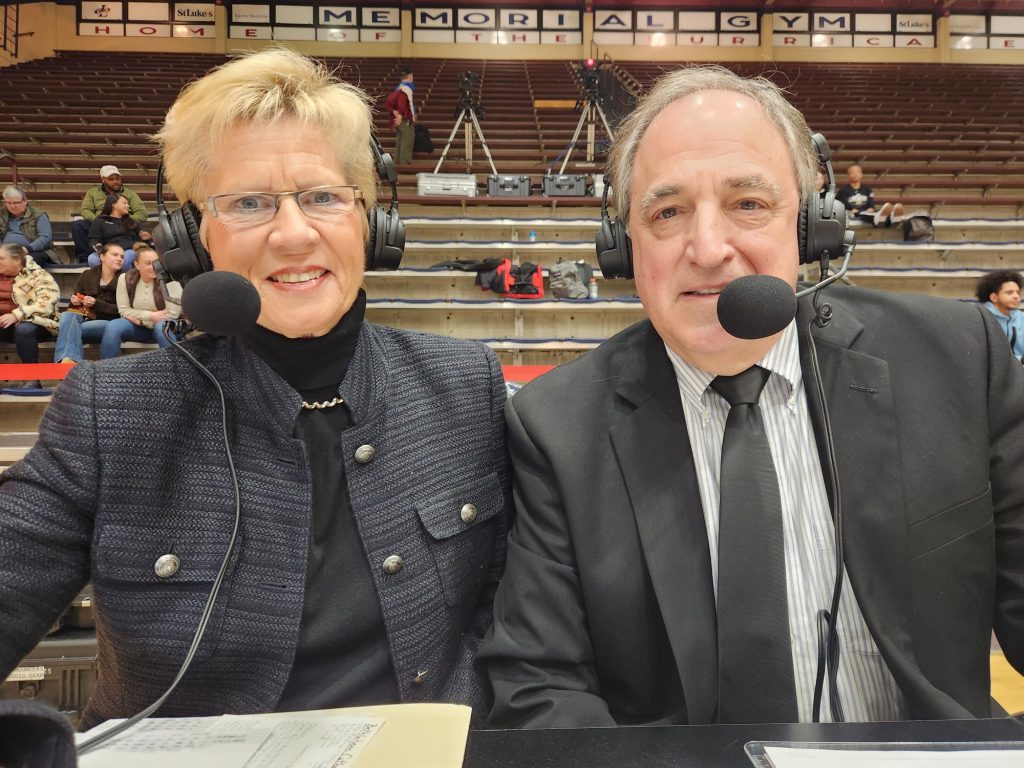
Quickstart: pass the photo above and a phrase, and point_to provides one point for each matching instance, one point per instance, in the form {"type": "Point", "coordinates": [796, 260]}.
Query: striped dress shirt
{"type": "Point", "coordinates": [867, 690]}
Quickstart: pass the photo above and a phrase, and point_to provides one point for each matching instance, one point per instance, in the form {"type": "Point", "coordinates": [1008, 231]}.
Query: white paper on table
{"type": "Point", "coordinates": [310, 741]}
{"type": "Point", "coordinates": [168, 742]}
{"type": "Point", "coordinates": [810, 757]}
{"type": "Point", "coordinates": [296, 740]}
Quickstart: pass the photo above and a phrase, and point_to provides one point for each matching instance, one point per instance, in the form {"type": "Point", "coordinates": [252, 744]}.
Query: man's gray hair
{"type": "Point", "coordinates": [12, 192]}
{"type": "Point", "coordinates": [673, 86]}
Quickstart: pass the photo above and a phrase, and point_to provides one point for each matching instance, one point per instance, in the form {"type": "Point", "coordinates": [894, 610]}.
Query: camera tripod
{"type": "Point", "coordinates": [591, 109]}
{"type": "Point", "coordinates": [470, 108]}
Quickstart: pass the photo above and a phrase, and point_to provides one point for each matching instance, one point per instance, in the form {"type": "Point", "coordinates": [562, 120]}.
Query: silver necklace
{"type": "Point", "coordinates": [320, 405]}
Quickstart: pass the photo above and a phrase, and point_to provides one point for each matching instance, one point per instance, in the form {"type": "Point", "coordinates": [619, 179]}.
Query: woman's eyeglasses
{"type": "Point", "coordinates": [260, 207]}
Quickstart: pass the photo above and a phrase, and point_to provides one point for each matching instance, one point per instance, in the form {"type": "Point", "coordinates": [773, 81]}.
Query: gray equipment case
{"type": "Point", "coordinates": [452, 184]}
{"type": "Point", "coordinates": [565, 185]}
{"type": "Point", "coordinates": [508, 186]}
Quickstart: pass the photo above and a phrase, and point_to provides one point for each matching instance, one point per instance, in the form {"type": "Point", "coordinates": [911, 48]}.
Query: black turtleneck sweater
{"type": "Point", "coordinates": [342, 657]}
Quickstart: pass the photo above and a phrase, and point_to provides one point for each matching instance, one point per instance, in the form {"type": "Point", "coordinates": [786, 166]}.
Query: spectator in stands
{"type": "Point", "coordinates": [93, 202]}
{"type": "Point", "coordinates": [860, 201]}
{"type": "Point", "coordinates": [402, 116]}
{"type": "Point", "coordinates": [93, 305]}
{"type": "Point", "coordinates": [999, 291]}
{"type": "Point", "coordinates": [115, 225]}
{"type": "Point", "coordinates": [644, 584]}
{"type": "Point", "coordinates": [142, 307]}
{"type": "Point", "coordinates": [23, 224]}
{"type": "Point", "coordinates": [28, 306]}
{"type": "Point", "coordinates": [371, 462]}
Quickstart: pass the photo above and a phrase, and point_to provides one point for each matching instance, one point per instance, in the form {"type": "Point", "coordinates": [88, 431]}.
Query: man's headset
{"type": "Point", "coordinates": [821, 227]}
{"type": "Point", "coordinates": [184, 256]}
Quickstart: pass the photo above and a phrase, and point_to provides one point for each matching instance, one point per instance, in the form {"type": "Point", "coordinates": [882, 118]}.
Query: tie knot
{"type": "Point", "coordinates": [745, 387]}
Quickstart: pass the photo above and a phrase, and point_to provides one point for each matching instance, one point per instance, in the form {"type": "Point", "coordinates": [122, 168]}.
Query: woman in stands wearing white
{"type": "Point", "coordinates": [371, 464]}
{"type": "Point", "coordinates": [142, 308]}
{"type": "Point", "coordinates": [28, 305]}
{"type": "Point", "coordinates": [93, 305]}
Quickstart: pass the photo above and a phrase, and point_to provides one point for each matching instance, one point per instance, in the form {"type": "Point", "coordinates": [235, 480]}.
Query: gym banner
{"type": "Point", "coordinates": [326, 23]}
{"type": "Point", "coordinates": [852, 30]}
{"type": "Point", "coordinates": [497, 26]}
{"type": "Point", "coordinates": [130, 19]}
{"type": "Point", "coordinates": [997, 33]}
{"type": "Point", "coordinates": [677, 28]}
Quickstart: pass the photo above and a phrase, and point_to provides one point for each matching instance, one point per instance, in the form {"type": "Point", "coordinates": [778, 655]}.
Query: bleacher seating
{"type": "Point", "coordinates": [959, 156]}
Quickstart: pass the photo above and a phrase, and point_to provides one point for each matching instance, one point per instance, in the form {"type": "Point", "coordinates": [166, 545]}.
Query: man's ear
{"type": "Point", "coordinates": [992, 297]}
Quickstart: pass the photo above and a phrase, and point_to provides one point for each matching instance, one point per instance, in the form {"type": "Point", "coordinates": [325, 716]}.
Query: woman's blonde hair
{"type": "Point", "coordinates": [260, 89]}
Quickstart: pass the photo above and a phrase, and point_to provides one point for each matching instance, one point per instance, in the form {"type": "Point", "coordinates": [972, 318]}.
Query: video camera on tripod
{"type": "Point", "coordinates": [590, 79]}
{"type": "Point", "coordinates": [469, 86]}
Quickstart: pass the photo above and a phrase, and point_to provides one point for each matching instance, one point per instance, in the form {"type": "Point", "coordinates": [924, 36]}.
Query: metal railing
{"type": "Point", "coordinates": [11, 33]}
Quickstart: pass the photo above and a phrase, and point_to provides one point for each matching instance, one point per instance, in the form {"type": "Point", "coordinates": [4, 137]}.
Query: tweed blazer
{"type": "Point", "coordinates": [111, 486]}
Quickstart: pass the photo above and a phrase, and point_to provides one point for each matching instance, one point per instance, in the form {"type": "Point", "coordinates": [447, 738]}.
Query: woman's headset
{"type": "Point", "coordinates": [184, 256]}
{"type": "Point", "coordinates": [821, 226]}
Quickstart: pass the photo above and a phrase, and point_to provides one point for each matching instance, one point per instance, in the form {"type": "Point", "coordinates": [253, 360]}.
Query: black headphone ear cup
{"type": "Point", "coordinates": [178, 243]}
{"type": "Point", "coordinates": [374, 218]}
{"type": "Point", "coordinates": [802, 239]}
{"type": "Point", "coordinates": [192, 220]}
{"type": "Point", "coordinates": [393, 246]}
{"type": "Point", "coordinates": [614, 249]}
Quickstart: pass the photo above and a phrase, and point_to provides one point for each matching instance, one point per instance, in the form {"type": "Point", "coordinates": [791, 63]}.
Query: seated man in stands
{"type": "Point", "coordinates": [999, 292]}
{"type": "Point", "coordinates": [93, 306]}
{"type": "Point", "coordinates": [860, 201]}
{"type": "Point", "coordinates": [93, 202]}
{"type": "Point", "coordinates": [28, 304]}
{"type": "Point", "coordinates": [24, 224]}
{"type": "Point", "coordinates": [142, 307]}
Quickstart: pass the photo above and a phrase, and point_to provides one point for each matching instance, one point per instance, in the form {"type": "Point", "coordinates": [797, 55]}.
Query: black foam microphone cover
{"type": "Point", "coordinates": [756, 306]}
{"type": "Point", "coordinates": [221, 303]}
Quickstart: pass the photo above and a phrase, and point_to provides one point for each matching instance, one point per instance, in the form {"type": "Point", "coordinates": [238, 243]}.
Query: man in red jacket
{"type": "Point", "coordinates": [402, 116]}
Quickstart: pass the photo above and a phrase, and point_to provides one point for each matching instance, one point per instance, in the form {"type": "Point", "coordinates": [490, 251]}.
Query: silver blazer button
{"type": "Point", "coordinates": [393, 564]}
{"type": "Point", "coordinates": [365, 453]}
{"type": "Point", "coordinates": [468, 513]}
{"type": "Point", "coordinates": [166, 566]}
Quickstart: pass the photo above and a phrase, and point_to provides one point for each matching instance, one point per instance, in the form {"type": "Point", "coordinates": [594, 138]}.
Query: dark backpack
{"type": "Point", "coordinates": [918, 229]}
{"type": "Point", "coordinates": [421, 142]}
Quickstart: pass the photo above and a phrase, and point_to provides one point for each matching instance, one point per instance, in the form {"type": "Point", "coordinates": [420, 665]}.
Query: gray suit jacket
{"type": "Point", "coordinates": [130, 465]}
{"type": "Point", "coordinates": [606, 611]}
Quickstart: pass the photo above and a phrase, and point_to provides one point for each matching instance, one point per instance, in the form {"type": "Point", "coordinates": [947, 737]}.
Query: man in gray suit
{"type": "Point", "coordinates": [607, 612]}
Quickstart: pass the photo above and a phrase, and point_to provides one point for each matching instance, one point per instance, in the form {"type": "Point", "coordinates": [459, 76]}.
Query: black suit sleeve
{"type": "Point", "coordinates": [1006, 446]}
{"type": "Point", "coordinates": [538, 653]}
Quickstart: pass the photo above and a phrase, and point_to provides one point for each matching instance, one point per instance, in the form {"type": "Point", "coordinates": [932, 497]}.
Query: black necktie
{"type": "Point", "coordinates": [755, 662]}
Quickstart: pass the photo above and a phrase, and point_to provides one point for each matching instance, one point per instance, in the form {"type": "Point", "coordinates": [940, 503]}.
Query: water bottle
{"type": "Point", "coordinates": [533, 235]}
{"type": "Point", "coordinates": [592, 288]}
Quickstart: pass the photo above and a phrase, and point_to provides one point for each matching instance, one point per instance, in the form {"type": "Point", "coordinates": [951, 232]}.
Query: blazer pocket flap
{"type": "Point", "coordinates": [144, 556]}
{"type": "Point", "coordinates": [454, 510]}
{"type": "Point", "coordinates": [950, 524]}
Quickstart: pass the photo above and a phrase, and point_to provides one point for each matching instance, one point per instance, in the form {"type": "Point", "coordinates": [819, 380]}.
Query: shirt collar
{"type": "Point", "coordinates": [783, 359]}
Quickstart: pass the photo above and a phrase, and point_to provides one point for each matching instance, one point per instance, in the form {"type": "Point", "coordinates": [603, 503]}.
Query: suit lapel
{"type": "Point", "coordinates": [653, 452]}
{"type": "Point", "coordinates": [864, 426]}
